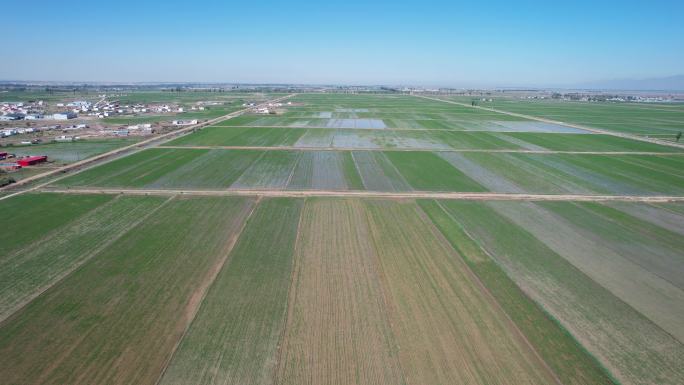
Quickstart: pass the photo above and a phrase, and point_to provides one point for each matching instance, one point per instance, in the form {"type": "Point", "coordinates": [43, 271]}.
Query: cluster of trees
{"type": "Point", "coordinates": [5, 179]}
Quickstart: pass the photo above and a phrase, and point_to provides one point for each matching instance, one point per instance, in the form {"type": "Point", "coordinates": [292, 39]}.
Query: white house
{"type": "Point", "coordinates": [64, 115]}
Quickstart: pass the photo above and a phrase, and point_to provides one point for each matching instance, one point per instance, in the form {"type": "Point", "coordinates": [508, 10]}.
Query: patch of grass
{"type": "Point", "coordinates": [351, 174]}
{"type": "Point", "coordinates": [29, 217]}
{"type": "Point", "coordinates": [427, 171]}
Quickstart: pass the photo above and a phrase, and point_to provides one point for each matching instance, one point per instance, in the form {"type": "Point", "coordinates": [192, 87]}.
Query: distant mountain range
{"type": "Point", "coordinates": [670, 83]}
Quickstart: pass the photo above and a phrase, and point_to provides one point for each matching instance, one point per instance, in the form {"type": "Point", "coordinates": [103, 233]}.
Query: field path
{"type": "Point", "coordinates": [378, 194]}
{"type": "Point", "coordinates": [413, 149]}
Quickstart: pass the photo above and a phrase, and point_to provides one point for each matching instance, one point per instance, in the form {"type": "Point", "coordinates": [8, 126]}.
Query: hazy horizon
{"type": "Point", "coordinates": [533, 44]}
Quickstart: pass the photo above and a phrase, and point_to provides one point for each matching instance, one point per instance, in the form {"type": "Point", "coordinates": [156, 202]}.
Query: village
{"type": "Point", "coordinates": [268, 109]}
{"type": "Point", "coordinates": [30, 129]}
{"type": "Point", "coordinates": [33, 122]}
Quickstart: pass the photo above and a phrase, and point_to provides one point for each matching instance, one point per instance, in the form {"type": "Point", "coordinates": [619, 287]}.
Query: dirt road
{"type": "Point", "coordinates": [376, 194]}
{"type": "Point", "coordinates": [507, 151]}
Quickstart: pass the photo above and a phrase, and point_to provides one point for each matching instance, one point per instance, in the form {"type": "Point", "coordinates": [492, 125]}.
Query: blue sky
{"type": "Point", "coordinates": [451, 43]}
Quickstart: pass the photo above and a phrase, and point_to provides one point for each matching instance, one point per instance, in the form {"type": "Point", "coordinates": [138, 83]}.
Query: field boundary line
{"type": "Point", "coordinates": [88, 257]}
{"type": "Point", "coordinates": [420, 149]}
{"type": "Point", "coordinates": [290, 303]}
{"type": "Point", "coordinates": [571, 125]}
{"type": "Point", "coordinates": [399, 129]}
{"type": "Point", "coordinates": [483, 288]}
{"type": "Point", "coordinates": [480, 196]}
{"type": "Point", "coordinates": [356, 167]}
{"type": "Point", "coordinates": [124, 151]}
{"type": "Point", "coordinates": [204, 287]}
{"type": "Point", "coordinates": [294, 169]}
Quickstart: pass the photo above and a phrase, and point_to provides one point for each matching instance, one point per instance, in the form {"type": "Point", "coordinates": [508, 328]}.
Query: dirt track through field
{"type": "Point", "coordinates": [479, 196]}
{"type": "Point", "coordinates": [413, 149]}
{"type": "Point", "coordinates": [571, 125]}
{"type": "Point", "coordinates": [503, 130]}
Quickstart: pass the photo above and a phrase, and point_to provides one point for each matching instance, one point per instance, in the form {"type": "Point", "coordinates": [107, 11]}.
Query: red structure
{"type": "Point", "coordinates": [31, 160]}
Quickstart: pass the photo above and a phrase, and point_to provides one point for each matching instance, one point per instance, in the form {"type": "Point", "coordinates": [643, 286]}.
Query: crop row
{"type": "Point", "coordinates": [212, 290]}
{"type": "Point", "coordinates": [176, 168]}
{"type": "Point", "coordinates": [411, 139]}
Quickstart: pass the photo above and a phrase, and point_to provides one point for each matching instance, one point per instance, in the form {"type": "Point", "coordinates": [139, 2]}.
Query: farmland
{"type": "Point", "coordinates": [240, 337]}
{"type": "Point", "coordinates": [658, 119]}
{"type": "Point", "coordinates": [63, 153]}
{"type": "Point", "coordinates": [27, 271]}
{"type": "Point", "coordinates": [337, 330]}
{"type": "Point", "coordinates": [178, 168]}
{"type": "Point", "coordinates": [216, 136]}
{"type": "Point", "coordinates": [558, 277]}
{"type": "Point", "coordinates": [177, 264]}
{"type": "Point", "coordinates": [129, 297]}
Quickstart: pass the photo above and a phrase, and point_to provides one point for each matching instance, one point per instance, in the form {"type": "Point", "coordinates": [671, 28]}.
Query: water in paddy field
{"type": "Point", "coordinates": [540, 127]}
{"type": "Point", "coordinates": [356, 123]}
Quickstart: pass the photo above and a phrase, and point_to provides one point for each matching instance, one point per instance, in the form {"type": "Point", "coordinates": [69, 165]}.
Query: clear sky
{"type": "Point", "coordinates": [451, 43]}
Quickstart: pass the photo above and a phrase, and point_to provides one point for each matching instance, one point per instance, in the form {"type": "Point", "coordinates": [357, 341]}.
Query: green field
{"type": "Point", "coordinates": [240, 338]}
{"type": "Point", "coordinates": [573, 173]}
{"type": "Point", "coordinates": [411, 139]}
{"type": "Point", "coordinates": [637, 118]}
{"type": "Point", "coordinates": [428, 172]}
{"type": "Point", "coordinates": [117, 318]}
{"type": "Point", "coordinates": [32, 216]}
{"type": "Point", "coordinates": [64, 153]}
{"type": "Point", "coordinates": [24, 273]}
{"type": "Point", "coordinates": [567, 358]}
{"type": "Point", "coordinates": [344, 240]}
{"type": "Point", "coordinates": [609, 328]}
{"type": "Point", "coordinates": [178, 168]}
